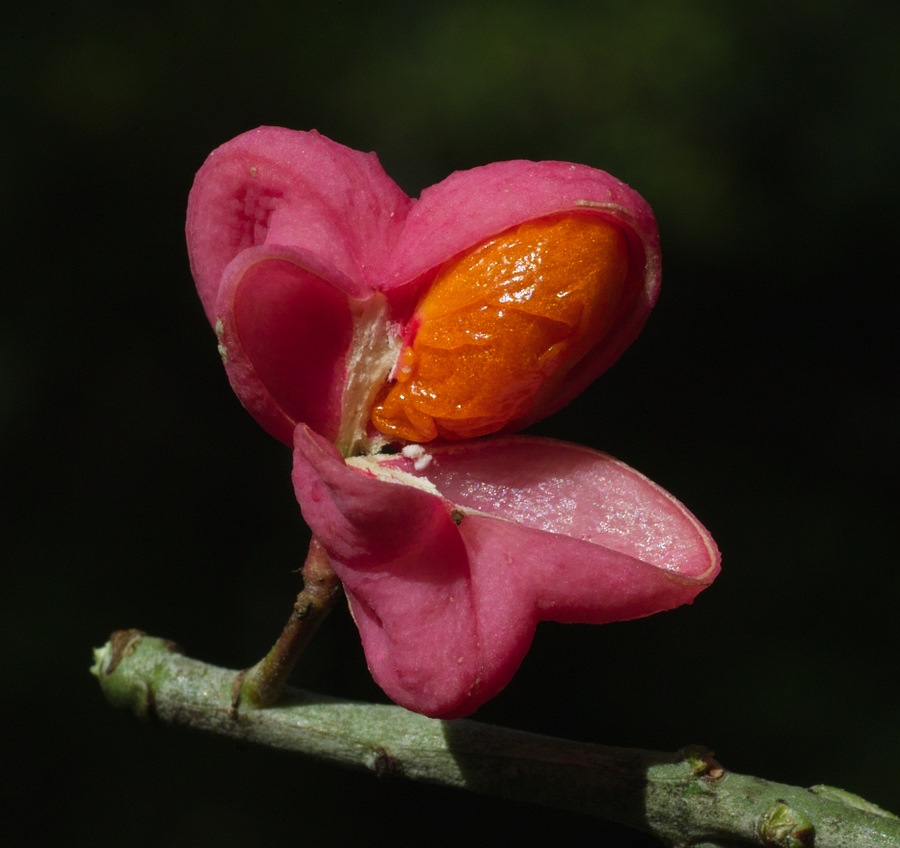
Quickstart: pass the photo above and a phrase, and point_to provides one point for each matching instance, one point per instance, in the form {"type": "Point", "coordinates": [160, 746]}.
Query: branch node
{"type": "Point", "coordinates": [782, 826]}
{"type": "Point", "coordinates": [703, 762]}
{"type": "Point", "coordinates": [386, 766]}
{"type": "Point", "coordinates": [714, 769]}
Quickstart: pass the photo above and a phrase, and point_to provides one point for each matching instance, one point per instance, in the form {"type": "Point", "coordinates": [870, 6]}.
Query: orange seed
{"type": "Point", "coordinates": [502, 325]}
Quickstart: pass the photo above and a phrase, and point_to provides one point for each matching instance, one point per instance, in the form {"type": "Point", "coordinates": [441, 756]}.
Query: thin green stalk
{"type": "Point", "coordinates": [264, 683]}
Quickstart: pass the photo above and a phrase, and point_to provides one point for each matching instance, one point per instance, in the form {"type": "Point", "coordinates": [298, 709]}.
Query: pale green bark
{"type": "Point", "coordinates": [686, 798]}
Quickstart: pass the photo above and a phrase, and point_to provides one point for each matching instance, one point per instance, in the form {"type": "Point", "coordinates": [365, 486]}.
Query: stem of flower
{"type": "Point", "coordinates": [263, 684]}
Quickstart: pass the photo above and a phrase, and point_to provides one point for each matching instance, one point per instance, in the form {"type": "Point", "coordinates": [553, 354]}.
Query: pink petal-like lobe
{"type": "Point", "coordinates": [285, 332]}
{"type": "Point", "coordinates": [285, 229]}
{"type": "Point", "coordinates": [470, 206]}
{"type": "Point", "coordinates": [447, 608]}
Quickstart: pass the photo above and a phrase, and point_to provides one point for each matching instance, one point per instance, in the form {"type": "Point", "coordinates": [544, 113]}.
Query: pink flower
{"type": "Point", "coordinates": [346, 322]}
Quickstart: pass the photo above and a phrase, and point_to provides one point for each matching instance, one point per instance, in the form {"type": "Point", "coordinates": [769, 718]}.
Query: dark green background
{"type": "Point", "coordinates": [138, 493]}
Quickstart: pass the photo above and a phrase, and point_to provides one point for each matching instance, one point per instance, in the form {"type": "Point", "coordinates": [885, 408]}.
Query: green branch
{"type": "Point", "coordinates": [685, 799]}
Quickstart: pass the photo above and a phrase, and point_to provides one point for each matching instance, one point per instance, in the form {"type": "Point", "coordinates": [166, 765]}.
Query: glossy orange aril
{"type": "Point", "coordinates": [502, 325]}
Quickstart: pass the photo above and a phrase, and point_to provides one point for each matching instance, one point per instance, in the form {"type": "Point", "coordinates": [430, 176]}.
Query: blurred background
{"type": "Point", "coordinates": [138, 493]}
